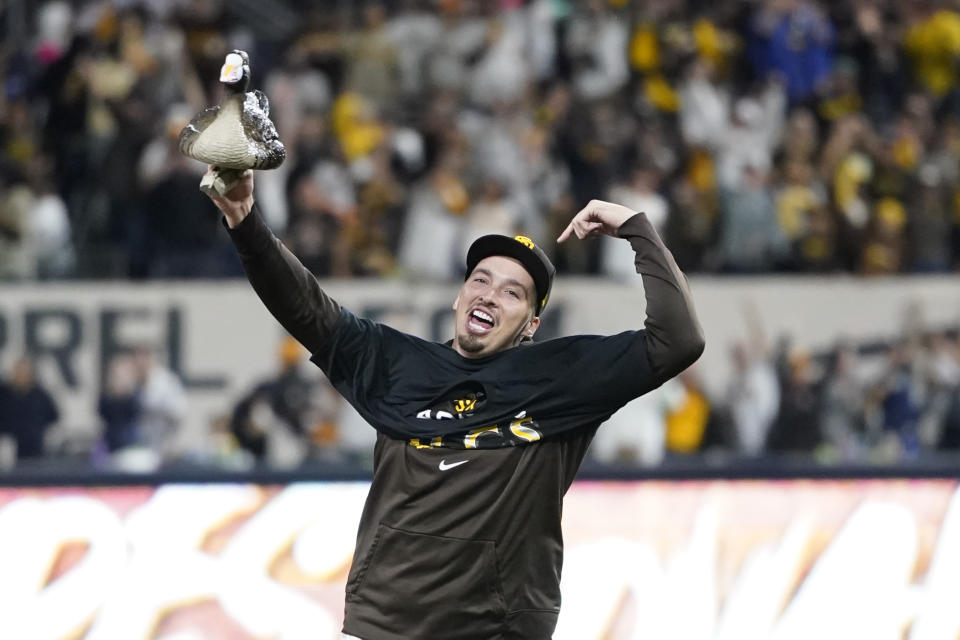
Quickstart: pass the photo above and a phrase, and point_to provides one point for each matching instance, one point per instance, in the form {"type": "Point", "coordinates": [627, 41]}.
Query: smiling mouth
{"type": "Point", "coordinates": [479, 322]}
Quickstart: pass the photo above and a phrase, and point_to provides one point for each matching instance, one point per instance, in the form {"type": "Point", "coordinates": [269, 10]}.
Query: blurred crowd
{"type": "Point", "coordinates": [878, 402]}
{"type": "Point", "coordinates": [759, 135]}
{"type": "Point", "coordinates": [291, 417]}
{"type": "Point", "coordinates": [870, 403]}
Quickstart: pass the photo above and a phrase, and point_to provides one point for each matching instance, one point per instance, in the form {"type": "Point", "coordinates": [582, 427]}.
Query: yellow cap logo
{"type": "Point", "coordinates": [525, 241]}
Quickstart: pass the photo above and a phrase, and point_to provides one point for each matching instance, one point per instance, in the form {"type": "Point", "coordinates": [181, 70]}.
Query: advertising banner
{"type": "Point", "coordinates": [705, 559]}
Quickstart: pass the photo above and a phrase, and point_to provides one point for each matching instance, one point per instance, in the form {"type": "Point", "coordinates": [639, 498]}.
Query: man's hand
{"type": "Point", "coordinates": [597, 218]}
{"type": "Point", "coordinates": [237, 203]}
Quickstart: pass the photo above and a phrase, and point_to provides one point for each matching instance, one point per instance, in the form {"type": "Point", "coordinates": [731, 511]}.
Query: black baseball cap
{"type": "Point", "coordinates": [522, 249]}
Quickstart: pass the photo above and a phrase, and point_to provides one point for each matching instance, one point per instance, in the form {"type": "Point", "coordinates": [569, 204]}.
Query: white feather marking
{"type": "Point", "coordinates": [223, 142]}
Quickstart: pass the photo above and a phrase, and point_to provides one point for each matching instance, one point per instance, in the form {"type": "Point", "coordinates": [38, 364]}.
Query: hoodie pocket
{"type": "Point", "coordinates": [431, 586]}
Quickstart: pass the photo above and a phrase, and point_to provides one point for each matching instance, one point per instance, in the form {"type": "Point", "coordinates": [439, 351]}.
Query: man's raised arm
{"type": "Point", "coordinates": [286, 287]}
{"type": "Point", "coordinates": [673, 334]}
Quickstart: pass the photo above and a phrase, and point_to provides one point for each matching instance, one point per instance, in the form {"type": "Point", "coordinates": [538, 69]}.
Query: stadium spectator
{"type": "Point", "coordinates": [636, 435]}
{"type": "Point", "coordinates": [940, 370]}
{"type": "Point", "coordinates": [28, 410]}
{"type": "Point", "coordinates": [898, 397]}
{"type": "Point", "coordinates": [950, 435]}
{"type": "Point", "coordinates": [739, 135]}
{"type": "Point", "coordinates": [596, 43]}
{"type": "Point", "coordinates": [289, 416]}
{"type": "Point", "coordinates": [801, 211]}
{"type": "Point", "coordinates": [750, 238]}
{"type": "Point", "coordinates": [16, 202]}
{"type": "Point", "coordinates": [693, 221]}
{"type": "Point", "coordinates": [371, 58]}
{"type": "Point", "coordinates": [752, 396]}
{"type": "Point", "coordinates": [502, 73]}
{"type": "Point", "coordinates": [372, 235]}
{"type": "Point", "coordinates": [873, 41]}
{"type": "Point", "coordinates": [321, 191]}
{"type": "Point", "coordinates": [884, 245]}
{"type": "Point", "coordinates": [794, 38]}
{"type": "Point", "coordinates": [796, 428]}
{"type": "Point", "coordinates": [50, 227]}
{"type": "Point", "coordinates": [434, 224]}
{"type": "Point", "coordinates": [178, 239]}
{"type": "Point", "coordinates": [492, 211]}
{"type": "Point", "coordinates": [932, 43]}
{"type": "Point", "coordinates": [688, 419]}
{"type": "Point", "coordinates": [639, 192]}
{"type": "Point", "coordinates": [119, 405]}
{"type": "Point", "coordinates": [163, 403]}
{"type": "Point", "coordinates": [414, 32]}
{"type": "Point", "coordinates": [462, 38]}
{"type": "Point", "coordinates": [928, 227]}
{"type": "Point", "coordinates": [842, 419]}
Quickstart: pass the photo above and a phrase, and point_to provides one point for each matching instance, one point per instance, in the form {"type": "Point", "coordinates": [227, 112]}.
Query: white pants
{"type": "Point", "coordinates": [344, 636]}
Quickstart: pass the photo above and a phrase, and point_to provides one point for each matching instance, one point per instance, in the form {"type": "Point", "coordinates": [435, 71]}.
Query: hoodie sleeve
{"type": "Point", "coordinates": [673, 334]}
{"type": "Point", "coordinates": [287, 288]}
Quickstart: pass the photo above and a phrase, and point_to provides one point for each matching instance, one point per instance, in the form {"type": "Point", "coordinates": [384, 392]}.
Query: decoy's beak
{"type": "Point", "coordinates": [230, 73]}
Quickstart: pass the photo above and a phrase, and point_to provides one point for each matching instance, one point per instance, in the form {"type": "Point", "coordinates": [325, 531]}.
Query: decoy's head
{"type": "Point", "coordinates": [235, 73]}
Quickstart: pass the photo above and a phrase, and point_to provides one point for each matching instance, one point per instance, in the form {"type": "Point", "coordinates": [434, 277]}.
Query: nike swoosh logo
{"type": "Point", "coordinates": [444, 466]}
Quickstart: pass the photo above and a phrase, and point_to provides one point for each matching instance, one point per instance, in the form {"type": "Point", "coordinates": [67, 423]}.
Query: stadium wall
{"type": "Point", "coordinates": [220, 340]}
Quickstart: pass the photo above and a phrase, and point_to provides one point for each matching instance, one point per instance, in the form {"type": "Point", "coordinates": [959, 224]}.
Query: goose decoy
{"type": "Point", "coordinates": [236, 134]}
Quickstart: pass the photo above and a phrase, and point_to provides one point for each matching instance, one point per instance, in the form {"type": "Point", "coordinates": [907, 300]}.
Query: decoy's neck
{"type": "Point", "coordinates": [239, 86]}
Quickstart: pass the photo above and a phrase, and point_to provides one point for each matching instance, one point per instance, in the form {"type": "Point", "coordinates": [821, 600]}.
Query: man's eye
{"type": "Point", "coordinates": [513, 293]}
{"type": "Point", "coordinates": [480, 280]}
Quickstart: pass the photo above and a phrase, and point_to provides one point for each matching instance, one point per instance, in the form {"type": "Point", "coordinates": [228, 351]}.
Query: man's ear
{"type": "Point", "coordinates": [456, 302]}
{"type": "Point", "coordinates": [532, 327]}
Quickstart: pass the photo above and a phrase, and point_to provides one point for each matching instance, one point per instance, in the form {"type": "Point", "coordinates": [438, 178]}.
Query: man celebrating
{"type": "Point", "coordinates": [478, 439]}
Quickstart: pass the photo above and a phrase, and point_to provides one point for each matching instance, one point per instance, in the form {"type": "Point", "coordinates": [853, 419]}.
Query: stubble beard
{"type": "Point", "coordinates": [469, 343]}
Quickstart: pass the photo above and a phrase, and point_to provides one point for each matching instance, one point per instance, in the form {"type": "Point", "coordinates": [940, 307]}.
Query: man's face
{"type": "Point", "coordinates": [494, 309]}
{"type": "Point", "coordinates": [22, 377]}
